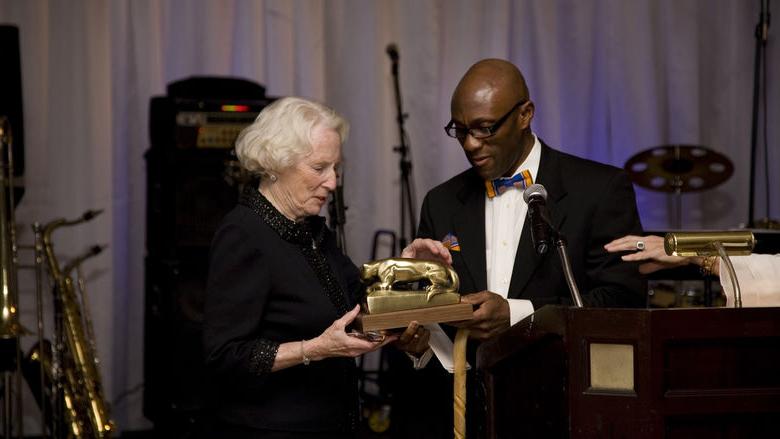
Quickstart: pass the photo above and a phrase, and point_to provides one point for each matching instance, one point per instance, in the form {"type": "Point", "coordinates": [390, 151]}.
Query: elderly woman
{"type": "Point", "coordinates": [281, 295]}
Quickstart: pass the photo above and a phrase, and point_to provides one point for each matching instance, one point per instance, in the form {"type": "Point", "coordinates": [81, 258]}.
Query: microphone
{"type": "Point", "coordinates": [392, 52]}
{"type": "Point", "coordinates": [536, 198]}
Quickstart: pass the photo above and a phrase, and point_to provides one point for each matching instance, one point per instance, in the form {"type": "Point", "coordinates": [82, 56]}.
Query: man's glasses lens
{"type": "Point", "coordinates": [460, 133]}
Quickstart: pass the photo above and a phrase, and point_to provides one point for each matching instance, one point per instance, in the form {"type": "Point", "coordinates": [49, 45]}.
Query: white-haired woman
{"type": "Point", "coordinates": [280, 294]}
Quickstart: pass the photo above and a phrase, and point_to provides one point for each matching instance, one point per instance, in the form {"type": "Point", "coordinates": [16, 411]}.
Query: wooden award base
{"type": "Point", "coordinates": [401, 319]}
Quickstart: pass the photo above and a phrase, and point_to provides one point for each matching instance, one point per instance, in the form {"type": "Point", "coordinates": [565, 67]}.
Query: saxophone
{"type": "Point", "coordinates": [85, 407]}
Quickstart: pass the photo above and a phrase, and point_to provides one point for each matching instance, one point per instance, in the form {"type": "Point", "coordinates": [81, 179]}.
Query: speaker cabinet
{"type": "Point", "coordinates": [187, 197]}
{"type": "Point", "coordinates": [191, 185]}
{"type": "Point", "coordinates": [188, 193]}
{"type": "Point", "coordinates": [11, 100]}
{"type": "Point", "coordinates": [173, 362]}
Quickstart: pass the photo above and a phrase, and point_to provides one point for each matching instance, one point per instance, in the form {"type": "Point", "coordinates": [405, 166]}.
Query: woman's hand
{"type": "Point", "coordinates": [646, 248]}
{"type": "Point", "coordinates": [427, 249]}
{"type": "Point", "coordinates": [414, 339]}
{"type": "Point", "coordinates": [334, 341]}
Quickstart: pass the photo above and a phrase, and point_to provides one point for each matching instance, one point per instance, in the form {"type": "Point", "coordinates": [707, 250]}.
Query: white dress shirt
{"type": "Point", "coordinates": [504, 218]}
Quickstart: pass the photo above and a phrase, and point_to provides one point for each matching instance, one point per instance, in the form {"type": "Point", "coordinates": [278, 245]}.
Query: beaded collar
{"type": "Point", "coordinates": [308, 232]}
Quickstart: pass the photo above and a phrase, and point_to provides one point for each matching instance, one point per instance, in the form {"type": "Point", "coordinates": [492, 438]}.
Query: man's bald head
{"type": "Point", "coordinates": [492, 78]}
{"type": "Point", "coordinates": [493, 96]}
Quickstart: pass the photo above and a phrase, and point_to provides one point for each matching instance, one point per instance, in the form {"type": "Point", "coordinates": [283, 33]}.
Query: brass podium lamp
{"type": "Point", "coordinates": [723, 244]}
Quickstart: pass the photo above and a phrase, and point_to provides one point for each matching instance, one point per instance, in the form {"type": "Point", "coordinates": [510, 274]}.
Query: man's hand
{"type": "Point", "coordinates": [427, 249]}
{"type": "Point", "coordinates": [414, 339]}
{"type": "Point", "coordinates": [491, 315]}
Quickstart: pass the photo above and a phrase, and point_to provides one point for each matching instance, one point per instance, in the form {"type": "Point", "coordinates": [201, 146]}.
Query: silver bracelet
{"type": "Point", "coordinates": [304, 359]}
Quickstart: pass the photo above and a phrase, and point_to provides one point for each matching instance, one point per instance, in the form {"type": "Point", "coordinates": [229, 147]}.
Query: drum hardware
{"type": "Point", "coordinates": [679, 168]}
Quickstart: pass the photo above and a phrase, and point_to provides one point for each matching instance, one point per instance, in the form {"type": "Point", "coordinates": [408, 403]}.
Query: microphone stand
{"type": "Point", "coordinates": [560, 244]}
{"type": "Point", "coordinates": [563, 253]}
{"type": "Point", "coordinates": [405, 164]}
{"type": "Point", "coordinates": [762, 34]}
{"type": "Point", "coordinates": [337, 213]}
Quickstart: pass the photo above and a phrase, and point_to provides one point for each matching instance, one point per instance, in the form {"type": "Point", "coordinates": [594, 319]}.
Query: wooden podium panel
{"type": "Point", "coordinates": [635, 373]}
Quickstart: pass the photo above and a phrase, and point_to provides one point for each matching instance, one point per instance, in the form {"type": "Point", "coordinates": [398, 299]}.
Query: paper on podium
{"type": "Point", "coordinates": [441, 345]}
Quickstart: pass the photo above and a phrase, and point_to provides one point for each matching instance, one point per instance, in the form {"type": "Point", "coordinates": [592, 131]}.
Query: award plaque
{"type": "Point", "coordinates": [388, 305]}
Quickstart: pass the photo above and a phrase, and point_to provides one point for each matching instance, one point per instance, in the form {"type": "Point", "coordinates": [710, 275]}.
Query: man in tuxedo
{"type": "Point", "coordinates": [590, 203]}
{"type": "Point", "coordinates": [480, 215]}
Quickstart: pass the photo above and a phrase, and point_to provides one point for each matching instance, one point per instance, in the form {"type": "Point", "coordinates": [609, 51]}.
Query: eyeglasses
{"type": "Point", "coordinates": [457, 132]}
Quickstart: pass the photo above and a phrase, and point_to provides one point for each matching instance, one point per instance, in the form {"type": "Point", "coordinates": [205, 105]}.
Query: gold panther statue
{"type": "Point", "coordinates": [381, 297]}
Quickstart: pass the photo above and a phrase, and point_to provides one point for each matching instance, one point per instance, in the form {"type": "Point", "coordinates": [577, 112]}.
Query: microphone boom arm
{"type": "Point", "coordinates": [563, 253]}
{"type": "Point", "coordinates": [543, 233]}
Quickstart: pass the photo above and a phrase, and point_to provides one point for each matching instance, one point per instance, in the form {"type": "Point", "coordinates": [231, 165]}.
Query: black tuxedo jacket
{"type": "Point", "coordinates": [589, 203]}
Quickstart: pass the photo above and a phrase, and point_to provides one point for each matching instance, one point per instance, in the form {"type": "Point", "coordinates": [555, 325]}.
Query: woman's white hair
{"type": "Point", "coordinates": [281, 134]}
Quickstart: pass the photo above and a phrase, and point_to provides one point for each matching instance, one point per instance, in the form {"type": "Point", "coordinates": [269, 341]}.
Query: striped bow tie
{"type": "Point", "coordinates": [501, 185]}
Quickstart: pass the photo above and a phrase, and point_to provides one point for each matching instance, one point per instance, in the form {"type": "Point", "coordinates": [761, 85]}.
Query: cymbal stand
{"type": "Point", "coordinates": [762, 34]}
{"type": "Point", "coordinates": [678, 184]}
{"type": "Point", "coordinates": [677, 208]}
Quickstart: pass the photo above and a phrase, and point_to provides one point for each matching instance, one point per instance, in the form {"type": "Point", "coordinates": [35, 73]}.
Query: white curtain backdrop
{"type": "Point", "coordinates": [609, 78]}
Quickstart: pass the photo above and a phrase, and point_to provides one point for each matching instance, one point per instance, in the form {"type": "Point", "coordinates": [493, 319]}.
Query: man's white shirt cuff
{"type": "Point", "coordinates": [519, 309]}
{"type": "Point", "coordinates": [421, 361]}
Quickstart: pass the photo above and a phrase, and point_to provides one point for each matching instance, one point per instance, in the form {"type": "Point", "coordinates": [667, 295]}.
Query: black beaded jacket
{"type": "Point", "coordinates": [272, 281]}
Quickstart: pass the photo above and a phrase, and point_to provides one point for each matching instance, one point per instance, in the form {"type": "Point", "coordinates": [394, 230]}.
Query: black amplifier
{"type": "Point", "coordinates": [187, 123]}
{"type": "Point", "coordinates": [193, 176]}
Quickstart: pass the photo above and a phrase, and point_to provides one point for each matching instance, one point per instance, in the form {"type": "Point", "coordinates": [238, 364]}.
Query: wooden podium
{"type": "Point", "coordinates": [635, 373]}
